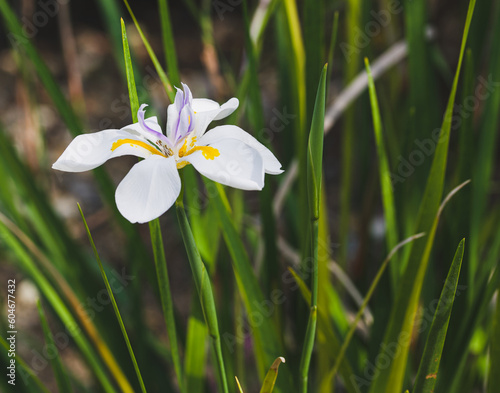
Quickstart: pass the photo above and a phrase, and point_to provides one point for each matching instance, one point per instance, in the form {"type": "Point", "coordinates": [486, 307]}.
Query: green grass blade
{"type": "Point", "coordinates": [272, 374]}
{"type": "Point", "coordinates": [129, 73]}
{"type": "Point", "coordinates": [313, 23]}
{"type": "Point", "coordinates": [385, 177]}
{"type": "Point", "coordinates": [366, 300]}
{"type": "Point", "coordinates": [431, 358]}
{"type": "Point", "coordinates": [63, 382]}
{"type": "Point", "coordinates": [113, 302]}
{"type": "Point", "coordinates": [411, 298]}
{"type": "Point", "coordinates": [352, 55]}
{"type": "Point", "coordinates": [314, 179]}
{"type": "Point", "coordinates": [163, 77]}
{"type": "Point", "coordinates": [168, 43]}
{"type": "Point", "coordinates": [267, 343]}
{"type": "Point", "coordinates": [296, 83]}
{"type": "Point", "coordinates": [204, 288]}
{"type": "Point", "coordinates": [155, 232]}
{"type": "Point", "coordinates": [391, 378]}
{"type": "Point", "coordinates": [315, 150]}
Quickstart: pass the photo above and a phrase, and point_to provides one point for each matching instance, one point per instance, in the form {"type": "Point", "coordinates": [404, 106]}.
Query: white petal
{"type": "Point", "coordinates": [271, 163]}
{"type": "Point", "coordinates": [88, 151]}
{"type": "Point", "coordinates": [172, 120]}
{"type": "Point", "coordinates": [237, 165]}
{"type": "Point", "coordinates": [207, 110]}
{"type": "Point", "coordinates": [149, 189]}
{"type": "Point", "coordinates": [227, 108]}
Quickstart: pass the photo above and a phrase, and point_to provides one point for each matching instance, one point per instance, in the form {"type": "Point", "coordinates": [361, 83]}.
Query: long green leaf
{"type": "Point", "coordinates": [431, 358]}
{"type": "Point", "coordinates": [113, 302]}
{"type": "Point", "coordinates": [205, 293]}
{"type": "Point", "coordinates": [385, 177]}
{"type": "Point", "coordinates": [314, 179]}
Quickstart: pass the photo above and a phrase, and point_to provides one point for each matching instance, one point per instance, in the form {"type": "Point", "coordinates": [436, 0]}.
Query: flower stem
{"type": "Point", "coordinates": [204, 288]}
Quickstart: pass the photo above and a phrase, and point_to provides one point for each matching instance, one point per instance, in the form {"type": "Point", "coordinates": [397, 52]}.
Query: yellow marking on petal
{"type": "Point", "coordinates": [182, 164]}
{"type": "Point", "coordinates": [182, 150]}
{"type": "Point", "coordinates": [193, 141]}
{"type": "Point", "coordinates": [135, 143]}
{"type": "Point", "coordinates": [208, 152]}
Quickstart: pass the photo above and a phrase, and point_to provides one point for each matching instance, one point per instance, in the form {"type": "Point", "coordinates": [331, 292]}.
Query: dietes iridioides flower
{"type": "Point", "coordinates": [225, 154]}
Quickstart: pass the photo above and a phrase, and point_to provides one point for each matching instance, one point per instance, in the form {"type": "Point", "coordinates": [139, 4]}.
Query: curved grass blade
{"type": "Point", "coordinates": [385, 177]}
{"type": "Point", "coordinates": [431, 358]}
{"type": "Point", "coordinates": [163, 77]}
{"type": "Point", "coordinates": [113, 302]}
{"type": "Point", "coordinates": [204, 288]}
{"type": "Point", "coordinates": [314, 177]}
{"type": "Point", "coordinates": [366, 300]}
{"type": "Point", "coordinates": [63, 382]}
{"type": "Point", "coordinates": [155, 232]}
{"type": "Point", "coordinates": [410, 314]}
{"type": "Point", "coordinates": [272, 374]}
{"type": "Point", "coordinates": [238, 383]}
{"type": "Point", "coordinates": [391, 378]}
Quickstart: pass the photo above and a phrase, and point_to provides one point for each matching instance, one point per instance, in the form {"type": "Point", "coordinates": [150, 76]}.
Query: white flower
{"type": "Point", "coordinates": [225, 154]}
